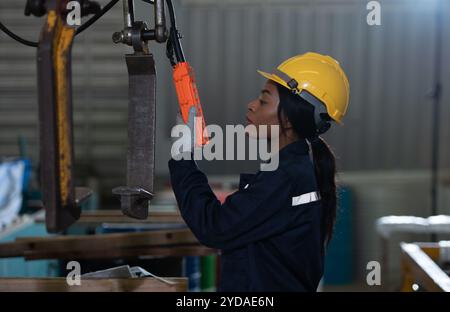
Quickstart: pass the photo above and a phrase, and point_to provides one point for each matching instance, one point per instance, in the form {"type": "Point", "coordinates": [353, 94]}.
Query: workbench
{"type": "Point", "coordinates": [171, 242]}
{"type": "Point", "coordinates": [92, 285]}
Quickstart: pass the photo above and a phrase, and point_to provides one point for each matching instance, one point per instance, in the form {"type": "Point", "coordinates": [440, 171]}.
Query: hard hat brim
{"type": "Point", "coordinates": [273, 77]}
{"type": "Point", "coordinates": [280, 81]}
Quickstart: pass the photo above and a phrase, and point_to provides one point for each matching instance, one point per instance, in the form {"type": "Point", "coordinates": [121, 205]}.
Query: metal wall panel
{"type": "Point", "coordinates": [390, 68]}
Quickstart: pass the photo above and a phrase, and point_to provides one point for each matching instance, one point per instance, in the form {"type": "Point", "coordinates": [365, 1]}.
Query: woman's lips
{"type": "Point", "coordinates": [249, 121]}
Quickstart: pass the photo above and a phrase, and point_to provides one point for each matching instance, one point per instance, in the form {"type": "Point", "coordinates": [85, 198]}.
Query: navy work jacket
{"type": "Point", "coordinates": [269, 231]}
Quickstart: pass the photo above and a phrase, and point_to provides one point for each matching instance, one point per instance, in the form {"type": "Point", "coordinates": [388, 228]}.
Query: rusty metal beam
{"type": "Point", "coordinates": [55, 120]}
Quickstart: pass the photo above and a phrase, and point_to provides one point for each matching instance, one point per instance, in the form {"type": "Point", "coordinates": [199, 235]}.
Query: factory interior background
{"type": "Point", "coordinates": [384, 149]}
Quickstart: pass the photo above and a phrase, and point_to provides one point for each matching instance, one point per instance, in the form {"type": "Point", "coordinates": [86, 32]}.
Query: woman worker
{"type": "Point", "coordinates": [274, 230]}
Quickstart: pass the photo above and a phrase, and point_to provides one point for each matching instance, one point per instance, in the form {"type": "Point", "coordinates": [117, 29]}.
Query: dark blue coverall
{"type": "Point", "coordinates": [267, 243]}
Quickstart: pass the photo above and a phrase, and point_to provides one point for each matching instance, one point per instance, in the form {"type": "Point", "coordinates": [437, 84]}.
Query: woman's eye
{"type": "Point", "coordinates": [262, 102]}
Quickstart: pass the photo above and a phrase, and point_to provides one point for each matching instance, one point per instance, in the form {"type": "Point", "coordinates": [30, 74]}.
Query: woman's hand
{"type": "Point", "coordinates": [184, 135]}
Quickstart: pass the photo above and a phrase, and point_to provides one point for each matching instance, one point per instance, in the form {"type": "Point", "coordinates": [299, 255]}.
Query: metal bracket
{"type": "Point", "coordinates": [141, 136]}
{"type": "Point", "coordinates": [136, 195]}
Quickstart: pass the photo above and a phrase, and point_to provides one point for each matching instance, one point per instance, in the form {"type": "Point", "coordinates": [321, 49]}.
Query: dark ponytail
{"type": "Point", "coordinates": [301, 116]}
{"type": "Point", "coordinates": [325, 168]}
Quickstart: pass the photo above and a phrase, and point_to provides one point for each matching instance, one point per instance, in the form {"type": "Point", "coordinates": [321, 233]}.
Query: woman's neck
{"type": "Point", "coordinates": [286, 139]}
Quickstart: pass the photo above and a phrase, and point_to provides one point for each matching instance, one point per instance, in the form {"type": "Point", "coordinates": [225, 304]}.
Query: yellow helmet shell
{"type": "Point", "coordinates": [320, 75]}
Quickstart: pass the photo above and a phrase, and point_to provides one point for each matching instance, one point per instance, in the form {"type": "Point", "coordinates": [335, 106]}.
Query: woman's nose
{"type": "Point", "coordinates": [252, 105]}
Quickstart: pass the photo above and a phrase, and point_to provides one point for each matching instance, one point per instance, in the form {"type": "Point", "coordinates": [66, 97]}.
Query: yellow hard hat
{"type": "Point", "coordinates": [320, 75]}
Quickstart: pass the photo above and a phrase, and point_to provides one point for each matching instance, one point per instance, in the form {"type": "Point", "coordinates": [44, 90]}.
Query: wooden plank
{"type": "Point", "coordinates": [114, 240]}
{"type": "Point", "coordinates": [116, 216]}
{"type": "Point", "coordinates": [13, 249]}
{"type": "Point", "coordinates": [147, 284]}
{"type": "Point", "coordinates": [122, 253]}
{"type": "Point", "coordinates": [26, 246]}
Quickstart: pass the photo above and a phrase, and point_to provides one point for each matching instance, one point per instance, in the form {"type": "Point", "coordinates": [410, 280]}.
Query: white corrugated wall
{"type": "Point", "coordinates": [390, 68]}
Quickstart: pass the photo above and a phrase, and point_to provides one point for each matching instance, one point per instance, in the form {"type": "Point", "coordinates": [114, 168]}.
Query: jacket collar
{"type": "Point", "coordinates": [290, 151]}
{"type": "Point", "coordinates": [294, 149]}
